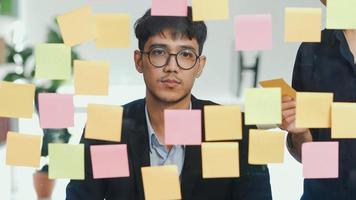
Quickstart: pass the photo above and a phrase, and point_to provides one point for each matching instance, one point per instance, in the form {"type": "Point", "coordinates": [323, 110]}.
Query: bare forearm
{"type": "Point", "coordinates": [297, 139]}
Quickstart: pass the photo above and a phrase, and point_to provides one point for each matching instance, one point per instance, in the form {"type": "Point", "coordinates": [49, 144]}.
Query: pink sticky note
{"type": "Point", "coordinates": [320, 159]}
{"type": "Point", "coordinates": [182, 127]}
{"type": "Point", "coordinates": [109, 161]}
{"type": "Point", "coordinates": [253, 32]}
{"type": "Point", "coordinates": [169, 8]}
{"type": "Point", "coordinates": [56, 110]}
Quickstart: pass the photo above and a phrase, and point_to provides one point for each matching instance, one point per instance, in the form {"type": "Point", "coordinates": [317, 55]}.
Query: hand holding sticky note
{"type": "Point", "coordinates": [279, 83]}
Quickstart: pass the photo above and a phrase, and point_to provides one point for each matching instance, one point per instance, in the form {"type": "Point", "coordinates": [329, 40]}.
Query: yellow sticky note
{"type": "Point", "coordinates": [112, 30]}
{"type": "Point", "coordinates": [220, 159]}
{"type": "Point", "coordinates": [313, 110]}
{"type": "Point", "coordinates": [66, 161]}
{"type": "Point", "coordinates": [104, 122]}
{"type": "Point", "coordinates": [280, 83]}
{"type": "Point", "coordinates": [16, 100]}
{"type": "Point", "coordinates": [77, 26]}
{"type": "Point", "coordinates": [263, 106]}
{"type": "Point", "coordinates": [341, 14]}
{"type": "Point", "coordinates": [161, 182]}
{"type": "Point", "coordinates": [265, 147]}
{"type": "Point", "coordinates": [343, 117]}
{"type": "Point", "coordinates": [302, 25]}
{"type": "Point", "coordinates": [23, 149]}
{"type": "Point", "coordinates": [91, 77]}
{"type": "Point", "coordinates": [222, 123]}
{"type": "Point", "coordinates": [210, 10]}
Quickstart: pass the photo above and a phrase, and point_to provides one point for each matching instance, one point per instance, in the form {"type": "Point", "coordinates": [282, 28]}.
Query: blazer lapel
{"type": "Point", "coordinates": [192, 168]}
{"type": "Point", "coordinates": [137, 134]}
{"type": "Point", "coordinates": [191, 171]}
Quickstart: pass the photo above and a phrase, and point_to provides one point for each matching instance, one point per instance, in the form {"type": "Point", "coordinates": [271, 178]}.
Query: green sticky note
{"type": "Point", "coordinates": [53, 61]}
{"type": "Point", "coordinates": [66, 161]}
{"type": "Point", "coordinates": [263, 106]}
{"type": "Point", "coordinates": [341, 14]}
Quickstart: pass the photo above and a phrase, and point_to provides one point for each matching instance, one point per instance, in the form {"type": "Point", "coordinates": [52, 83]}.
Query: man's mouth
{"type": "Point", "coordinates": [170, 82]}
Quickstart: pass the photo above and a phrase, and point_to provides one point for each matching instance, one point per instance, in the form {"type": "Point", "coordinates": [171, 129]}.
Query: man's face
{"type": "Point", "coordinates": [169, 83]}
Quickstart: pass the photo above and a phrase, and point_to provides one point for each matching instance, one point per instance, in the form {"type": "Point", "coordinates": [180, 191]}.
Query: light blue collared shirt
{"type": "Point", "coordinates": [159, 154]}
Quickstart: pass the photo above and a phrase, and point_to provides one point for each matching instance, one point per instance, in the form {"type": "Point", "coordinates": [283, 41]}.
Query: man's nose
{"type": "Point", "coordinates": [171, 65]}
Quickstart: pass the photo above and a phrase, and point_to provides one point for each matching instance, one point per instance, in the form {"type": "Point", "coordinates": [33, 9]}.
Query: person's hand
{"type": "Point", "coordinates": [288, 116]}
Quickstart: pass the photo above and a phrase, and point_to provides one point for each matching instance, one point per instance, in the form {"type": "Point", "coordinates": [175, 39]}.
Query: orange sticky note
{"type": "Point", "coordinates": [220, 159]}
{"type": "Point", "coordinates": [222, 123]}
{"type": "Point", "coordinates": [91, 77]}
{"type": "Point", "coordinates": [265, 147]}
{"type": "Point", "coordinates": [313, 110]}
{"type": "Point", "coordinates": [161, 182]}
{"type": "Point", "coordinates": [210, 9]}
{"type": "Point", "coordinates": [343, 120]}
{"type": "Point", "coordinates": [23, 149]}
{"type": "Point", "coordinates": [104, 122]}
{"type": "Point", "coordinates": [16, 100]}
{"type": "Point", "coordinates": [77, 26]}
{"type": "Point", "coordinates": [112, 30]}
{"type": "Point", "coordinates": [302, 25]}
{"type": "Point", "coordinates": [280, 83]}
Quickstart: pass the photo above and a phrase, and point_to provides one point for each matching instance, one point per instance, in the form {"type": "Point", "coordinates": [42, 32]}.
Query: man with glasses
{"type": "Point", "coordinates": [170, 59]}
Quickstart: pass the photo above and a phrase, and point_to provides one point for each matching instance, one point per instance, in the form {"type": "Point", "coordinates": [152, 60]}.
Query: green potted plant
{"type": "Point", "coordinates": [42, 184]}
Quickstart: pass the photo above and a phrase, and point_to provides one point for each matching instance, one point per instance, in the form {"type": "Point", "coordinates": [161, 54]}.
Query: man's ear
{"type": "Point", "coordinates": [138, 61]}
{"type": "Point", "coordinates": [201, 65]}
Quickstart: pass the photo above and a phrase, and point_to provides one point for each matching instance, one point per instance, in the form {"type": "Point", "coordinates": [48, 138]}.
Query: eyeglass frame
{"type": "Point", "coordinates": [169, 57]}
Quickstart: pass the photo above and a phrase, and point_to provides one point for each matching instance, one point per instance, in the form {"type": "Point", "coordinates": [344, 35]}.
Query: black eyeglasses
{"type": "Point", "coordinates": [159, 57]}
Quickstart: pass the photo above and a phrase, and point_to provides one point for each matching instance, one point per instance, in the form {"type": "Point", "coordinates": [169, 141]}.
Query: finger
{"type": "Point", "coordinates": [288, 113]}
{"type": "Point", "coordinates": [286, 98]}
{"type": "Point", "coordinates": [288, 105]}
{"type": "Point", "coordinates": [290, 120]}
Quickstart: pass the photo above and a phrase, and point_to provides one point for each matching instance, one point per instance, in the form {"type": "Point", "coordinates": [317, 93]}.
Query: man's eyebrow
{"type": "Point", "coordinates": [159, 45]}
{"type": "Point", "coordinates": [187, 47]}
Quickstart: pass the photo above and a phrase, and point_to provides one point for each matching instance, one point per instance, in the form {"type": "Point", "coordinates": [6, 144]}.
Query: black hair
{"type": "Point", "coordinates": [148, 26]}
